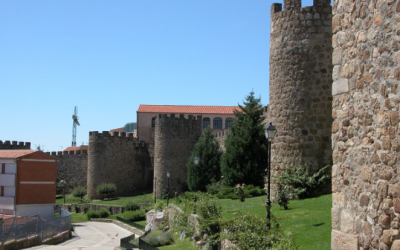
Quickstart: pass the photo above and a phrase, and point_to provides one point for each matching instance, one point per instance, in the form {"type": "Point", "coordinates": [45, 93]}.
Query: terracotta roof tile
{"type": "Point", "coordinates": [71, 149]}
{"type": "Point", "coordinates": [16, 153]}
{"type": "Point", "coordinates": [177, 109]}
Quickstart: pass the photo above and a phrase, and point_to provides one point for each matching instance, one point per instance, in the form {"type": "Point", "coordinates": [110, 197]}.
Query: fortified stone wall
{"type": "Point", "coordinates": [300, 84]}
{"type": "Point", "coordinates": [118, 159]}
{"type": "Point", "coordinates": [365, 131]}
{"type": "Point", "coordinates": [174, 142]}
{"type": "Point", "coordinates": [221, 137]}
{"type": "Point", "coordinates": [72, 168]}
{"type": "Point", "coordinates": [15, 145]}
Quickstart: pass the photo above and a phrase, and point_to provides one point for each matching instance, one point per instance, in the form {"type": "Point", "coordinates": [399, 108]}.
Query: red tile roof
{"type": "Point", "coordinates": [71, 149]}
{"type": "Point", "coordinates": [16, 153]}
{"type": "Point", "coordinates": [178, 109]}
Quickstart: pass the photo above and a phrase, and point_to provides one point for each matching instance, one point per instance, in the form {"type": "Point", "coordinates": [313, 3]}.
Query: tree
{"type": "Point", "coordinates": [79, 192]}
{"type": "Point", "coordinates": [245, 158]}
{"type": "Point", "coordinates": [208, 168]}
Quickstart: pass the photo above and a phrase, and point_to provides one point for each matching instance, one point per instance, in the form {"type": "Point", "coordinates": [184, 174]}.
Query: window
{"type": "Point", "coordinates": [206, 122]}
{"type": "Point", "coordinates": [228, 123]}
{"type": "Point", "coordinates": [217, 123]}
{"type": "Point", "coordinates": [153, 122]}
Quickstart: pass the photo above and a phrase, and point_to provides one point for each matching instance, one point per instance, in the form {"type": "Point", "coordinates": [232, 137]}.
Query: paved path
{"type": "Point", "coordinates": [91, 236]}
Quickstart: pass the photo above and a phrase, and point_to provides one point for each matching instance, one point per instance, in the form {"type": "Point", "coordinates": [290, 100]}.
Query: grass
{"type": "Point", "coordinates": [117, 201]}
{"type": "Point", "coordinates": [309, 220]}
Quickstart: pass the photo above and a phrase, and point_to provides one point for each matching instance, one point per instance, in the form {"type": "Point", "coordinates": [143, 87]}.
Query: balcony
{"type": "Point", "coordinates": [7, 203]}
{"type": "Point", "coordinates": [7, 180]}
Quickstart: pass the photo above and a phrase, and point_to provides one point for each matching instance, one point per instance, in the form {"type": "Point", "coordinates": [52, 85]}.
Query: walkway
{"type": "Point", "coordinates": [91, 236]}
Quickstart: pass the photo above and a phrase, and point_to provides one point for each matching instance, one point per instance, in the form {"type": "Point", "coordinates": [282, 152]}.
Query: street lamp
{"type": "Point", "coordinates": [168, 174]}
{"type": "Point", "coordinates": [270, 132]}
{"type": "Point", "coordinates": [155, 189]}
{"type": "Point", "coordinates": [196, 162]}
{"type": "Point", "coordinates": [63, 186]}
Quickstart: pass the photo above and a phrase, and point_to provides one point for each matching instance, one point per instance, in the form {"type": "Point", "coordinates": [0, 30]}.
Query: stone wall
{"type": "Point", "coordinates": [72, 168]}
{"type": "Point", "coordinates": [118, 159]}
{"type": "Point", "coordinates": [15, 145]}
{"type": "Point", "coordinates": [300, 85]}
{"type": "Point", "coordinates": [365, 131]}
{"type": "Point", "coordinates": [174, 142]}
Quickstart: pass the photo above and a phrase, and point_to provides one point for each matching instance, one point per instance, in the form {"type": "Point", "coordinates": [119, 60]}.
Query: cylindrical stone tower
{"type": "Point", "coordinates": [174, 142]}
{"type": "Point", "coordinates": [301, 84]}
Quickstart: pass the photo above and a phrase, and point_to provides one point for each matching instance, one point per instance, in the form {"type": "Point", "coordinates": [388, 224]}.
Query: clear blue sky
{"type": "Point", "coordinates": [108, 57]}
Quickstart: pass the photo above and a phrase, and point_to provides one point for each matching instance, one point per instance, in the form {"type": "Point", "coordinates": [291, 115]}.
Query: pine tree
{"type": "Point", "coordinates": [245, 158]}
{"type": "Point", "coordinates": [208, 168]}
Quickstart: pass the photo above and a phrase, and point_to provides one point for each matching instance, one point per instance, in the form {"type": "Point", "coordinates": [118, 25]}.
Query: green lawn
{"type": "Point", "coordinates": [118, 201]}
{"type": "Point", "coordinates": [309, 220]}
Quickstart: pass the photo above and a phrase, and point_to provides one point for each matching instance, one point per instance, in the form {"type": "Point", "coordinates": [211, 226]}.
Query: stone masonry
{"type": "Point", "coordinates": [365, 131]}
{"type": "Point", "coordinates": [15, 145]}
{"type": "Point", "coordinates": [118, 159]}
{"type": "Point", "coordinates": [301, 85]}
{"type": "Point", "coordinates": [174, 142]}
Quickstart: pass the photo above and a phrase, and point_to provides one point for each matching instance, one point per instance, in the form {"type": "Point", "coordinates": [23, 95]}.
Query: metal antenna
{"type": "Point", "coordinates": [74, 123]}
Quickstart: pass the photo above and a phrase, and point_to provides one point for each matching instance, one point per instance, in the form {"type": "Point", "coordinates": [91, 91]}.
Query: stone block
{"type": "Point", "coordinates": [344, 241]}
{"type": "Point", "coordinates": [346, 221]}
{"type": "Point", "coordinates": [340, 86]}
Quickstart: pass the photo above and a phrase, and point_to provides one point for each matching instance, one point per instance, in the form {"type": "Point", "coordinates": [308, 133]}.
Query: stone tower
{"type": "Point", "coordinates": [174, 142]}
{"type": "Point", "coordinates": [301, 84]}
{"type": "Point", "coordinates": [119, 160]}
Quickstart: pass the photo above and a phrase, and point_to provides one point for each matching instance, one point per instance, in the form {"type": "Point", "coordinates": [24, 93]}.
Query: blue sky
{"type": "Point", "coordinates": [108, 57]}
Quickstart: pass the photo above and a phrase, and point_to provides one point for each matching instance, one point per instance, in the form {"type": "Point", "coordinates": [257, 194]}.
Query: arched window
{"type": "Point", "coordinates": [228, 122]}
{"type": "Point", "coordinates": [153, 122]}
{"type": "Point", "coordinates": [206, 122]}
{"type": "Point", "coordinates": [217, 123]}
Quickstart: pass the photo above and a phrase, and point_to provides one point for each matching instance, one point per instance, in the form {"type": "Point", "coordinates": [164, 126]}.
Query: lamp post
{"type": "Point", "coordinates": [168, 174]}
{"type": "Point", "coordinates": [155, 189]}
{"type": "Point", "coordinates": [270, 132]}
{"type": "Point", "coordinates": [63, 186]}
{"type": "Point", "coordinates": [196, 162]}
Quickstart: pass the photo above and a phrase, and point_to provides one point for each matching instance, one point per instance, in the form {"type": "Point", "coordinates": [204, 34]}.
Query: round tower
{"type": "Point", "coordinates": [301, 84]}
{"type": "Point", "coordinates": [174, 142]}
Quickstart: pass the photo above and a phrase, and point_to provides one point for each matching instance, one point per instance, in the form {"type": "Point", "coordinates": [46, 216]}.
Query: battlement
{"type": "Point", "coordinates": [222, 134]}
{"type": "Point", "coordinates": [15, 145]}
{"type": "Point", "coordinates": [181, 116]}
{"type": "Point", "coordinates": [71, 152]}
{"type": "Point", "coordinates": [296, 5]}
{"type": "Point", "coordinates": [116, 135]}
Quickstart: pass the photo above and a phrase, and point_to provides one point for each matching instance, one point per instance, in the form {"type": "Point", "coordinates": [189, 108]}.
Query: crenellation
{"type": "Point", "coordinates": [15, 145]}
{"type": "Point", "coordinates": [276, 7]}
{"type": "Point", "coordinates": [291, 4]}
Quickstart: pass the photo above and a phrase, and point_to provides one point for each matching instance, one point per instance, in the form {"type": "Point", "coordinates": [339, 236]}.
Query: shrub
{"type": "Point", "coordinates": [106, 189]}
{"type": "Point", "coordinates": [131, 206]}
{"type": "Point", "coordinates": [227, 193]}
{"type": "Point", "coordinates": [146, 204]}
{"type": "Point", "coordinates": [248, 231]}
{"type": "Point", "coordinates": [283, 194]}
{"type": "Point", "coordinates": [215, 186]}
{"type": "Point", "coordinates": [136, 215]}
{"type": "Point", "coordinates": [302, 180]}
{"type": "Point", "coordinates": [161, 239]}
{"type": "Point", "coordinates": [103, 213]}
{"type": "Point", "coordinates": [92, 214]}
{"type": "Point", "coordinates": [79, 192]}
{"type": "Point", "coordinates": [252, 191]}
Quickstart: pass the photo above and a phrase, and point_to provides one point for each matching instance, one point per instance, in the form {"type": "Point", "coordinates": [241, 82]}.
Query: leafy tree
{"type": "Point", "coordinates": [245, 158]}
{"type": "Point", "coordinates": [79, 192]}
{"type": "Point", "coordinates": [208, 168]}
{"type": "Point", "coordinates": [106, 189]}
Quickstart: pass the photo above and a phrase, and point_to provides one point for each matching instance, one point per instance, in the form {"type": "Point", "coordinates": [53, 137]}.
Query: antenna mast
{"type": "Point", "coordinates": [74, 123]}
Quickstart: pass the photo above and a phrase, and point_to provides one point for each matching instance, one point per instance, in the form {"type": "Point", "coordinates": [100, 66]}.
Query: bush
{"type": "Point", "coordinates": [131, 206]}
{"type": "Point", "coordinates": [162, 239]}
{"type": "Point", "coordinates": [103, 213]}
{"type": "Point", "coordinates": [136, 215]}
{"type": "Point", "coordinates": [92, 214]}
{"type": "Point", "coordinates": [302, 180]}
{"type": "Point", "coordinates": [248, 231]}
{"type": "Point", "coordinates": [79, 192]}
{"type": "Point", "coordinates": [215, 186]}
{"type": "Point", "coordinates": [106, 189]}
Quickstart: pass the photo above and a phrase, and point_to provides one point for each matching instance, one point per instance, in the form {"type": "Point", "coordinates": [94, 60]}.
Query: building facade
{"type": "Point", "coordinates": [27, 183]}
{"type": "Point", "coordinates": [218, 118]}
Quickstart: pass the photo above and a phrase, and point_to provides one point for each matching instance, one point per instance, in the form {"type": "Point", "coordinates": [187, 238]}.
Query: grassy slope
{"type": "Point", "coordinates": [309, 220]}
